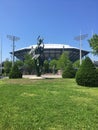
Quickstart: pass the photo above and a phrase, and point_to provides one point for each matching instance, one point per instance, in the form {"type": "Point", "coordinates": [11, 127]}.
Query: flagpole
{"type": "Point", "coordinates": [80, 49]}
{"type": "Point", "coordinates": [80, 38]}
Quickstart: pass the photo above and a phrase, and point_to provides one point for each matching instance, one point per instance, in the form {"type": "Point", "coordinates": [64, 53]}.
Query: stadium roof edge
{"type": "Point", "coordinates": [51, 46]}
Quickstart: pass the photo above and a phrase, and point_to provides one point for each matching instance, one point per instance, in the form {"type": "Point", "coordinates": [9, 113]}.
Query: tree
{"type": "Point", "coordinates": [15, 72]}
{"type": "Point", "coordinates": [94, 43]}
{"type": "Point", "coordinates": [63, 61]}
{"type": "Point", "coordinates": [19, 63]}
{"type": "Point", "coordinates": [46, 66]}
{"type": "Point", "coordinates": [87, 74]}
{"type": "Point", "coordinates": [53, 65]}
{"type": "Point", "coordinates": [29, 64]}
{"type": "Point", "coordinates": [76, 64]}
{"type": "Point", "coordinates": [69, 71]}
{"type": "Point", "coordinates": [7, 66]}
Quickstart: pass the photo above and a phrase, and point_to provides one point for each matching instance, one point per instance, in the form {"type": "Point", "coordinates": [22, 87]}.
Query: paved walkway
{"type": "Point", "coordinates": [45, 76]}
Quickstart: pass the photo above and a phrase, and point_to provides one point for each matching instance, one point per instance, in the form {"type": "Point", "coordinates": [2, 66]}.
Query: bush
{"type": "Point", "coordinates": [87, 74]}
{"type": "Point", "coordinates": [69, 72]}
{"type": "Point", "coordinates": [15, 73]}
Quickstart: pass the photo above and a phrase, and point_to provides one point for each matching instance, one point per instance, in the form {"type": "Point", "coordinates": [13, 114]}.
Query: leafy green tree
{"type": "Point", "coordinates": [19, 63]}
{"type": "Point", "coordinates": [94, 43]}
{"type": "Point", "coordinates": [29, 64]}
{"type": "Point", "coordinates": [63, 61]}
{"type": "Point", "coordinates": [15, 72]}
{"type": "Point", "coordinates": [87, 74]}
{"type": "Point", "coordinates": [76, 64]}
{"type": "Point", "coordinates": [46, 66]}
{"type": "Point", "coordinates": [53, 65]}
{"type": "Point", "coordinates": [69, 71]}
{"type": "Point", "coordinates": [7, 66]}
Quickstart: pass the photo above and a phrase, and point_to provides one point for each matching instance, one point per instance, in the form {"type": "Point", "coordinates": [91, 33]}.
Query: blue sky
{"type": "Point", "coordinates": [57, 21]}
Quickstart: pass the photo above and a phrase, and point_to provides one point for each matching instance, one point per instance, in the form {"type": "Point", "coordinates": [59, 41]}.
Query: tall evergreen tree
{"type": "Point", "coordinates": [86, 74]}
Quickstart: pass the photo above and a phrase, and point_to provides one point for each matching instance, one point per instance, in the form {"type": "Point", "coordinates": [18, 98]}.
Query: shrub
{"type": "Point", "coordinates": [15, 73]}
{"type": "Point", "coordinates": [69, 71]}
{"type": "Point", "coordinates": [87, 74]}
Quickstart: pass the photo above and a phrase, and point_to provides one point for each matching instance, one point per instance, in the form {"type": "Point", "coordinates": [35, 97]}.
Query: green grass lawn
{"type": "Point", "coordinates": [50, 104]}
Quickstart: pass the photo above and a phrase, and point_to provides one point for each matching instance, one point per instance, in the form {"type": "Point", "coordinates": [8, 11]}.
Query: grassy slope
{"type": "Point", "coordinates": [56, 104]}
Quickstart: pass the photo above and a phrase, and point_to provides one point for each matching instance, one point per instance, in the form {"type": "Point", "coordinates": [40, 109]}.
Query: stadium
{"type": "Point", "coordinates": [53, 51]}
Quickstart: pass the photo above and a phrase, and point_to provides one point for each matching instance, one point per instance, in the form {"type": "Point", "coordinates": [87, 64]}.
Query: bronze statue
{"type": "Point", "coordinates": [37, 55]}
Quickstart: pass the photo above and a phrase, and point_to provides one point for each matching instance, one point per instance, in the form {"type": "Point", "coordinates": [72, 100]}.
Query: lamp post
{"type": "Point", "coordinates": [13, 39]}
{"type": "Point", "coordinates": [80, 38]}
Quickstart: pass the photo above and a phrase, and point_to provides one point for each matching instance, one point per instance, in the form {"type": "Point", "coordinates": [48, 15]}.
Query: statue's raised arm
{"type": "Point", "coordinates": [39, 41]}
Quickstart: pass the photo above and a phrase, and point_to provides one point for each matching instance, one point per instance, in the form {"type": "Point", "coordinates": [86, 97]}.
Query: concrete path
{"type": "Point", "coordinates": [45, 76]}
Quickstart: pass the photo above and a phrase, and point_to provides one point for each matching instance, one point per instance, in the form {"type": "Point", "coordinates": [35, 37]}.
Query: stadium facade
{"type": "Point", "coordinates": [53, 51]}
